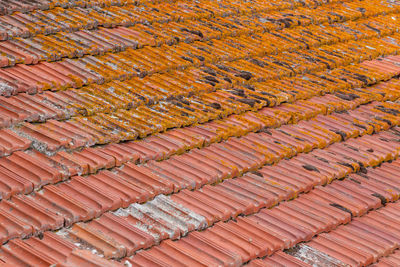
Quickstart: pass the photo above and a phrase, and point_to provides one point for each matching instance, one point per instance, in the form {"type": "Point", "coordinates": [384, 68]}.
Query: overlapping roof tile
{"type": "Point", "coordinates": [199, 133]}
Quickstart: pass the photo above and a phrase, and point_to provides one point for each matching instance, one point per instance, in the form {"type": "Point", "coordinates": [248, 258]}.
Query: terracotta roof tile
{"type": "Point", "coordinates": [278, 259]}
{"type": "Point", "coordinates": [390, 260]}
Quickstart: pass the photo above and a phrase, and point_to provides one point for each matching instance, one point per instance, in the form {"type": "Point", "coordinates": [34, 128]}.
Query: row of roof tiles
{"type": "Point", "coordinates": [24, 6]}
{"type": "Point", "coordinates": [47, 250]}
{"type": "Point", "coordinates": [310, 255]}
{"type": "Point", "coordinates": [112, 96]}
{"type": "Point", "coordinates": [57, 105]}
{"type": "Point", "coordinates": [77, 18]}
{"type": "Point", "coordinates": [176, 141]}
{"type": "Point", "coordinates": [104, 68]}
{"type": "Point", "coordinates": [118, 126]}
{"type": "Point", "coordinates": [77, 44]}
{"type": "Point", "coordinates": [279, 259]}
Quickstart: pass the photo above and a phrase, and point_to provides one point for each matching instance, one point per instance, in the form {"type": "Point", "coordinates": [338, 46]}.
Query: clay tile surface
{"type": "Point", "coordinates": [199, 133]}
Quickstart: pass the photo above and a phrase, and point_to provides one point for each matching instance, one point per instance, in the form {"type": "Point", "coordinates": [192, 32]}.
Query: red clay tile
{"type": "Point", "coordinates": [83, 257]}
{"type": "Point", "coordinates": [24, 254]}
{"type": "Point", "coordinates": [48, 140]}
{"type": "Point", "coordinates": [120, 153]}
{"type": "Point", "coordinates": [145, 179]}
{"type": "Point", "coordinates": [54, 199]}
{"type": "Point", "coordinates": [13, 227]}
{"type": "Point", "coordinates": [10, 142]}
{"type": "Point", "coordinates": [27, 210]}
{"type": "Point", "coordinates": [279, 259]}
{"type": "Point", "coordinates": [130, 237]}
{"type": "Point", "coordinates": [22, 165]}
{"type": "Point", "coordinates": [119, 187]}
{"type": "Point", "coordinates": [105, 244]}
{"type": "Point", "coordinates": [13, 183]}
{"type": "Point", "coordinates": [96, 199]}
{"type": "Point", "coordinates": [390, 260]}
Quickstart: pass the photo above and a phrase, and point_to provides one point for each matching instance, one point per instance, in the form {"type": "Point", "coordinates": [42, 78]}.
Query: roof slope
{"type": "Point", "coordinates": [199, 133]}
